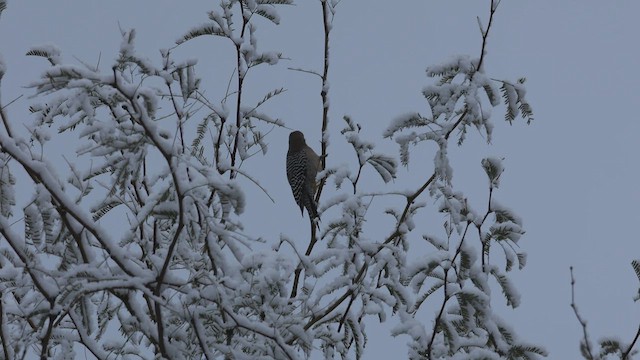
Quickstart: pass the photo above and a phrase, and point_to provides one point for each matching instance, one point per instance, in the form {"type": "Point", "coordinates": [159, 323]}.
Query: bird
{"type": "Point", "coordinates": [302, 167]}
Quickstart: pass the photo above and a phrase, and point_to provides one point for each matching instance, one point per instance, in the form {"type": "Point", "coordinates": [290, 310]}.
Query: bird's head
{"type": "Point", "coordinates": [296, 141]}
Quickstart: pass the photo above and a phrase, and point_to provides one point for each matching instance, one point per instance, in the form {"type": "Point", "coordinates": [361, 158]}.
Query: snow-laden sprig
{"type": "Point", "coordinates": [223, 24]}
{"type": "Point", "coordinates": [462, 96]}
{"type": "Point", "coordinates": [515, 101]}
{"type": "Point", "coordinates": [460, 270]}
{"type": "Point", "coordinates": [385, 165]}
{"type": "Point", "coordinates": [49, 51]}
{"type": "Point", "coordinates": [493, 168]}
{"type": "Point", "coordinates": [234, 20]}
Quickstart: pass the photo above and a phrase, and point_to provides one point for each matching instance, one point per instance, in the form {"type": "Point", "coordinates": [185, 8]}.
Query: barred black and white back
{"type": "Point", "coordinates": [302, 167]}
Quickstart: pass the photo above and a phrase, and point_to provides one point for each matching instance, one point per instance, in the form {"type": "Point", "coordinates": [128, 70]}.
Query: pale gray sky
{"type": "Point", "coordinates": [572, 175]}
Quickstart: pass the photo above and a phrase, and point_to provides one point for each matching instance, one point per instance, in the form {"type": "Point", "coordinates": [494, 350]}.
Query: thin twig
{"type": "Point", "coordinates": [306, 71]}
{"type": "Point", "coordinates": [12, 101]}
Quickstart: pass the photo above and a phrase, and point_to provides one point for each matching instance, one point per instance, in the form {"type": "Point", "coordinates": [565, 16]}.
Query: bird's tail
{"type": "Point", "coordinates": [312, 207]}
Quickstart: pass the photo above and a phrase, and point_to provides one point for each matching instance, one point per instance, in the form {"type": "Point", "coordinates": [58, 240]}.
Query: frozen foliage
{"type": "Point", "coordinates": [182, 279]}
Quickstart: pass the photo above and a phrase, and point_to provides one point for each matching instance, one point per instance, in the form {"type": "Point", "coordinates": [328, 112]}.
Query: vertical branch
{"type": "Point", "coordinates": [241, 74]}
{"type": "Point", "coordinates": [324, 95]}
{"type": "Point", "coordinates": [160, 325]}
{"type": "Point", "coordinates": [485, 245]}
{"type": "Point", "coordinates": [216, 148]}
{"type": "Point", "coordinates": [485, 33]}
{"type": "Point", "coordinates": [179, 115]}
{"type": "Point", "coordinates": [447, 296]}
{"type": "Point", "coordinates": [583, 323]}
{"type": "Point", "coordinates": [312, 243]}
{"type": "Point", "coordinates": [436, 323]}
{"type": "Point", "coordinates": [324, 92]}
{"type": "Point", "coordinates": [47, 336]}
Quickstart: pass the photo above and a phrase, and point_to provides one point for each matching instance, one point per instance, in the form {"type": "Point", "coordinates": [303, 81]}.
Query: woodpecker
{"type": "Point", "coordinates": [302, 167]}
